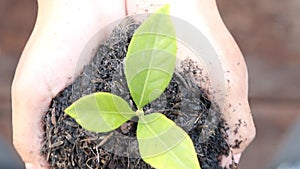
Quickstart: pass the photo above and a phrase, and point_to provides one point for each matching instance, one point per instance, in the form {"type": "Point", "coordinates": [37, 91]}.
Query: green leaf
{"type": "Point", "coordinates": [100, 112]}
{"type": "Point", "coordinates": [164, 145]}
{"type": "Point", "coordinates": [151, 57]}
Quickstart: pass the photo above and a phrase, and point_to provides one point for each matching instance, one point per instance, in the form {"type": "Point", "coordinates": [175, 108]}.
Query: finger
{"type": "Point", "coordinates": [49, 63]}
{"type": "Point", "coordinates": [230, 161]}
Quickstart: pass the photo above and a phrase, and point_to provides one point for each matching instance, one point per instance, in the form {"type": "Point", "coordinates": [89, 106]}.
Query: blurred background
{"type": "Point", "coordinates": [268, 33]}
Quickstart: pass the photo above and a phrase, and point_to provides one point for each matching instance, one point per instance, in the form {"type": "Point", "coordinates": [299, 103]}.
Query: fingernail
{"type": "Point", "coordinates": [29, 166]}
{"type": "Point", "coordinates": [237, 158]}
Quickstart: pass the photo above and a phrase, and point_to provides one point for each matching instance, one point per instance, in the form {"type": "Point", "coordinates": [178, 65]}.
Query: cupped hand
{"type": "Point", "coordinates": [204, 15]}
{"type": "Point", "coordinates": [49, 63]}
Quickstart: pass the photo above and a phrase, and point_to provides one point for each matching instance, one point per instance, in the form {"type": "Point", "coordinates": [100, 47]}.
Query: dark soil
{"type": "Point", "coordinates": [67, 145]}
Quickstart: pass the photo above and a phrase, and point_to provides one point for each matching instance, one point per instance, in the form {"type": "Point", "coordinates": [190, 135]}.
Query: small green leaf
{"type": "Point", "coordinates": [164, 145]}
{"type": "Point", "coordinates": [100, 112]}
{"type": "Point", "coordinates": [151, 57]}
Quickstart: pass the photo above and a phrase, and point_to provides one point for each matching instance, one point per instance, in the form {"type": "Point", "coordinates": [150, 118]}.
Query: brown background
{"type": "Point", "coordinates": [268, 33]}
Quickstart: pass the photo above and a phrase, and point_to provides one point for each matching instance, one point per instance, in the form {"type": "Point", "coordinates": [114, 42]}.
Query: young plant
{"type": "Point", "coordinates": [149, 67]}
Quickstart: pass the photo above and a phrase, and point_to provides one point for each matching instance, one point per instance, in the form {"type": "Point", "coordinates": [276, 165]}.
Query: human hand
{"type": "Point", "coordinates": [205, 16]}
{"type": "Point", "coordinates": [49, 61]}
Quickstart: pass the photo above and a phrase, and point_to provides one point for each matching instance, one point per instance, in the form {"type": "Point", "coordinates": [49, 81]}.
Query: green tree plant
{"type": "Point", "coordinates": [149, 67]}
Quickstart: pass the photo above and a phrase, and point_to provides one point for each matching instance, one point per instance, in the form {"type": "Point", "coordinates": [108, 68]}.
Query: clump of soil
{"type": "Point", "coordinates": [67, 145]}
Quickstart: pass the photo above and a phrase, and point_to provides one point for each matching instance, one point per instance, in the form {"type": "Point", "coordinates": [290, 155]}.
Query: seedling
{"type": "Point", "coordinates": [149, 67]}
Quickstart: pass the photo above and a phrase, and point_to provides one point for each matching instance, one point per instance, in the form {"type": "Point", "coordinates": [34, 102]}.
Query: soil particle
{"type": "Point", "coordinates": [67, 145]}
{"type": "Point", "coordinates": [237, 126]}
{"type": "Point", "coordinates": [237, 144]}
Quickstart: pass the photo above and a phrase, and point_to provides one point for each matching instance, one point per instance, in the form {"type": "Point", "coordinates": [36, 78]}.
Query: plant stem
{"type": "Point", "coordinates": [139, 113]}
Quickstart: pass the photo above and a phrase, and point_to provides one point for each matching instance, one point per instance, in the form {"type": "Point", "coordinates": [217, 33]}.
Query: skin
{"type": "Point", "coordinates": [49, 63]}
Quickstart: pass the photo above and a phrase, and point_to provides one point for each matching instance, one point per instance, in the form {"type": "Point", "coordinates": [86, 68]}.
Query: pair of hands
{"type": "Point", "coordinates": [49, 63]}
